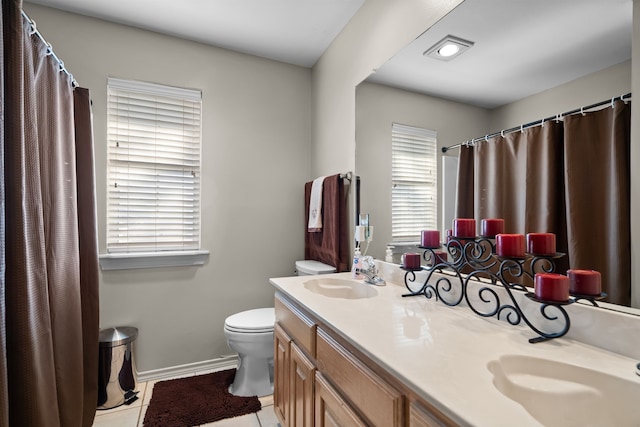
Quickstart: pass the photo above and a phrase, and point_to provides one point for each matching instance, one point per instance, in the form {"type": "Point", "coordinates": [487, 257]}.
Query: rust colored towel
{"type": "Point", "coordinates": [331, 245]}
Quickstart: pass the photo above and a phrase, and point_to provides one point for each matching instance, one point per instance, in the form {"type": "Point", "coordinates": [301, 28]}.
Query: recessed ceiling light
{"type": "Point", "coordinates": [448, 48]}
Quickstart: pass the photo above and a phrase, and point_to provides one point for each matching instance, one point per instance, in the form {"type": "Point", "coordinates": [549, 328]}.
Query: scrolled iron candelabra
{"type": "Point", "coordinates": [466, 259]}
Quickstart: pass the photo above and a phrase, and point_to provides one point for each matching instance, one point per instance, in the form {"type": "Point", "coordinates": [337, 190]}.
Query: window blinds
{"type": "Point", "coordinates": [153, 167]}
{"type": "Point", "coordinates": [414, 182]}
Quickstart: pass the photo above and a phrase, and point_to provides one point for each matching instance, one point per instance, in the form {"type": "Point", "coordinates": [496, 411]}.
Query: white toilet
{"type": "Point", "coordinates": [250, 334]}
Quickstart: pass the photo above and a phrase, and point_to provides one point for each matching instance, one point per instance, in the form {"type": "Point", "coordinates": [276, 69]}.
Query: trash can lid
{"type": "Point", "coordinates": [112, 337]}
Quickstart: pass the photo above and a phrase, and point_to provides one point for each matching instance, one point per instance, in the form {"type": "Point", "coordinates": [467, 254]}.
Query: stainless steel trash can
{"type": "Point", "coordinates": [117, 376]}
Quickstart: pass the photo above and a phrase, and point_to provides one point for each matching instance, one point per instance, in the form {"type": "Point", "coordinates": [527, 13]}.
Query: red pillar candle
{"type": "Point", "coordinates": [449, 235]}
{"type": "Point", "coordinates": [411, 260]}
{"type": "Point", "coordinates": [430, 239]}
{"type": "Point", "coordinates": [551, 287]}
{"type": "Point", "coordinates": [464, 227]}
{"type": "Point", "coordinates": [585, 282]}
{"type": "Point", "coordinates": [441, 257]}
{"type": "Point", "coordinates": [510, 245]}
{"type": "Point", "coordinates": [541, 243]}
{"type": "Point", "coordinates": [436, 258]}
{"type": "Point", "coordinates": [491, 226]}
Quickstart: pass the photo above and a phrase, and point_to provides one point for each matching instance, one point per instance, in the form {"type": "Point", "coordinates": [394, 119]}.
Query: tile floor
{"type": "Point", "coordinates": [133, 415]}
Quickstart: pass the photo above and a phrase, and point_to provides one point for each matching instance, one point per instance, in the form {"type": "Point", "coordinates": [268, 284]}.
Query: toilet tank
{"type": "Point", "coordinates": [311, 268]}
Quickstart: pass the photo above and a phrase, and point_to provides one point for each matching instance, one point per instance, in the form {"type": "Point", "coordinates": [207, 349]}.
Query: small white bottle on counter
{"type": "Point", "coordinates": [388, 256]}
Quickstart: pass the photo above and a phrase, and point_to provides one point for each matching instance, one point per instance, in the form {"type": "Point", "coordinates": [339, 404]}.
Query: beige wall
{"type": "Point", "coordinates": [586, 90]}
{"type": "Point", "coordinates": [255, 160]}
{"type": "Point", "coordinates": [374, 34]}
{"type": "Point", "coordinates": [377, 107]}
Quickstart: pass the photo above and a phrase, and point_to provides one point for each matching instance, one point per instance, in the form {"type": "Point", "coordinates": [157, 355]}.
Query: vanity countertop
{"type": "Point", "coordinates": [443, 352]}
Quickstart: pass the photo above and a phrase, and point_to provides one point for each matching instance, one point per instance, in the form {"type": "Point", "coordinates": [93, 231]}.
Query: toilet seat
{"type": "Point", "coordinates": [259, 320]}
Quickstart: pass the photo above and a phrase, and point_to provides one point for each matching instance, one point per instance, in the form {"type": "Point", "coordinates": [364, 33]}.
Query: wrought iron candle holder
{"type": "Point", "coordinates": [590, 298]}
{"type": "Point", "coordinates": [466, 259]}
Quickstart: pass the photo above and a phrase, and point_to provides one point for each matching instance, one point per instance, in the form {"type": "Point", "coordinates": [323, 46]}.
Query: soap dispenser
{"type": "Point", "coordinates": [357, 263]}
{"type": "Point", "coordinates": [388, 256]}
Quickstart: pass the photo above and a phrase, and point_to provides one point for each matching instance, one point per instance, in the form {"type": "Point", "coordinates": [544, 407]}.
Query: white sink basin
{"type": "Point", "coordinates": [341, 288]}
{"type": "Point", "coordinates": [564, 395]}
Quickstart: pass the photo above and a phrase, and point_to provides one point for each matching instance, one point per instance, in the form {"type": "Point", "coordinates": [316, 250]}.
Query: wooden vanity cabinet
{"type": "Point", "coordinates": [281, 363]}
{"type": "Point", "coordinates": [419, 416]}
{"type": "Point", "coordinates": [294, 365]}
{"type": "Point", "coordinates": [381, 404]}
{"type": "Point", "coordinates": [301, 387]}
{"type": "Point", "coordinates": [294, 376]}
{"type": "Point", "coordinates": [330, 408]}
{"type": "Point", "coordinates": [321, 380]}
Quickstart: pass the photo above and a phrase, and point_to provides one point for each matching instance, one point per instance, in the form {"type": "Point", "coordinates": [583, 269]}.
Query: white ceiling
{"type": "Point", "coordinates": [292, 31]}
{"type": "Point", "coordinates": [521, 46]}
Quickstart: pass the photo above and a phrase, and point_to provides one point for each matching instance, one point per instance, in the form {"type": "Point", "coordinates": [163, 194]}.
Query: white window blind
{"type": "Point", "coordinates": [153, 168]}
{"type": "Point", "coordinates": [414, 182]}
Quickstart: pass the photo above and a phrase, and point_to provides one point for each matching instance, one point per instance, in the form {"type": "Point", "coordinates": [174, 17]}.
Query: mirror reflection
{"type": "Point", "coordinates": [567, 55]}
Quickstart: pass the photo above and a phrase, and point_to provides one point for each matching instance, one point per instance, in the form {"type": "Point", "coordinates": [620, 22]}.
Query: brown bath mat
{"type": "Point", "coordinates": [193, 401]}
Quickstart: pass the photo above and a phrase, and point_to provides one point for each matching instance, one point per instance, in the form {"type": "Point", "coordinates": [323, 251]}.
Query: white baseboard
{"type": "Point", "coordinates": [219, 364]}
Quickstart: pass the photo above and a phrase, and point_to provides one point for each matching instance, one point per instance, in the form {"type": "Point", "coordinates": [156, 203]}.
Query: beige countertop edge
{"type": "Point", "coordinates": [442, 352]}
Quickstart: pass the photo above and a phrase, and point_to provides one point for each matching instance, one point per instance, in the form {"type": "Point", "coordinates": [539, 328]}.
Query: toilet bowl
{"type": "Point", "coordinates": [250, 334]}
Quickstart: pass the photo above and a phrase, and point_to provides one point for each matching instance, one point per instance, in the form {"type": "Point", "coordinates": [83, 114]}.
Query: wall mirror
{"type": "Point", "coordinates": [528, 60]}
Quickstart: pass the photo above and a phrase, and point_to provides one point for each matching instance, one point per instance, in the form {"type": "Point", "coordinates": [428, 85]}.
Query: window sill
{"type": "Point", "coordinates": [399, 244]}
{"type": "Point", "coordinates": [153, 260]}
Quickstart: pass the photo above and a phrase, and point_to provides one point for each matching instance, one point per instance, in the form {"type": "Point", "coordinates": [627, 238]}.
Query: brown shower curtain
{"type": "Point", "coordinates": [49, 294]}
{"type": "Point", "coordinates": [465, 184]}
{"type": "Point", "coordinates": [571, 179]}
{"type": "Point", "coordinates": [597, 179]}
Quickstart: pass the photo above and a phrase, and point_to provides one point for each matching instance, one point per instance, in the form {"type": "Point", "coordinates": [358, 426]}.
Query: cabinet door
{"type": "Point", "coordinates": [419, 416]}
{"type": "Point", "coordinates": [301, 381]}
{"type": "Point", "coordinates": [282, 346]}
{"type": "Point", "coordinates": [297, 324]}
{"type": "Point", "coordinates": [330, 409]}
{"type": "Point", "coordinates": [380, 403]}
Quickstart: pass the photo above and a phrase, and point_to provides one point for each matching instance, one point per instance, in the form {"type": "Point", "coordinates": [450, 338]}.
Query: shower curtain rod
{"type": "Point", "coordinates": [50, 51]}
{"type": "Point", "coordinates": [625, 98]}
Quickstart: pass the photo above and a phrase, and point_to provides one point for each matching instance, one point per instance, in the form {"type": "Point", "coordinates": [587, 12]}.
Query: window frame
{"type": "Point", "coordinates": [404, 229]}
{"type": "Point", "coordinates": [146, 258]}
